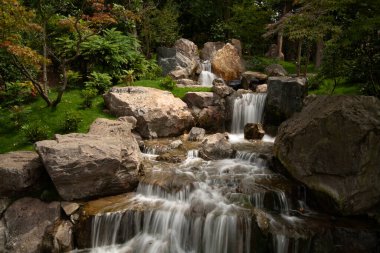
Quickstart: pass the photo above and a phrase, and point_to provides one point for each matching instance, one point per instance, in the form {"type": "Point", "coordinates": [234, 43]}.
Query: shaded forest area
{"type": "Point", "coordinates": [92, 44]}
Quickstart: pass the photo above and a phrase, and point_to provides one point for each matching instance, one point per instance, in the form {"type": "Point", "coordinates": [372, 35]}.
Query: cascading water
{"type": "Point", "coordinates": [206, 76]}
{"type": "Point", "coordinates": [194, 210]}
{"type": "Point", "coordinates": [248, 108]}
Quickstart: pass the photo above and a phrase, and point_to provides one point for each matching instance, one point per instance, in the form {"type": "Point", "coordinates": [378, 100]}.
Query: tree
{"type": "Point", "coordinates": [17, 20]}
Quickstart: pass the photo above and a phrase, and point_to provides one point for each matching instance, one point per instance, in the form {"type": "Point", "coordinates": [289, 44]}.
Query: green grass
{"type": "Point", "coordinates": [259, 64]}
{"type": "Point", "coordinates": [343, 88]}
{"type": "Point", "coordinates": [12, 138]}
{"type": "Point", "coordinates": [177, 91]}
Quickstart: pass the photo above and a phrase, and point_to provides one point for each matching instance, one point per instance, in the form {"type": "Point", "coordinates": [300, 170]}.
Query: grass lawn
{"type": "Point", "coordinates": [11, 136]}
{"type": "Point", "coordinates": [326, 87]}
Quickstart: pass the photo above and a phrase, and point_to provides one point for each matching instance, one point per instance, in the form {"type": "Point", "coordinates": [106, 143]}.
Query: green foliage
{"type": "Point", "coordinates": [159, 27]}
{"type": "Point", "coordinates": [73, 79]}
{"type": "Point", "coordinates": [35, 131]}
{"type": "Point", "coordinates": [17, 93]}
{"type": "Point", "coordinates": [248, 23]}
{"type": "Point", "coordinates": [112, 52]}
{"type": "Point", "coordinates": [88, 96]}
{"type": "Point", "coordinates": [99, 81]}
{"type": "Point", "coordinates": [149, 70]}
{"type": "Point", "coordinates": [71, 122]}
{"type": "Point", "coordinates": [167, 83]}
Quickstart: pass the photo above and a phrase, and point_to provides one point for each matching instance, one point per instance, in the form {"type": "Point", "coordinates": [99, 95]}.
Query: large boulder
{"type": "Point", "coordinates": [26, 221]}
{"type": "Point", "coordinates": [227, 63]}
{"type": "Point", "coordinates": [284, 97]}
{"type": "Point", "coordinates": [216, 146]}
{"type": "Point", "coordinates": [158, 113]}
{"type": "Point", "coordinates": [333, 146]}
{"type": "Point", "coordinates": [211, 118]}
{"type": "Point", "coordinates": [18, 171]}
{"type": "Point", "coordinates": [221, 89]}
{"type": "Point", "coordinates": [59, 237]}
{"type": "Point", "coordinates": [209, 49]}
{"type": "Point", "coordinates": [187, 58]}
{"type": "Point", "coordinates": [91, 165]}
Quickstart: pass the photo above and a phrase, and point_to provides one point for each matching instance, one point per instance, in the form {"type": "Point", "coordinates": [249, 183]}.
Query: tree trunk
{"type": "Point", "coordinates": [306, 62]}
{"type": "Point", "coordinates": [64, 84]}
{"type": "Point", "coordinates": [44, 64]}
{"type": "Point", "coordinates": [299, 53]}
{"type": "Point", "coordinates": [280, 41]}
{"type": "Point", "coordinates": [318, 54]}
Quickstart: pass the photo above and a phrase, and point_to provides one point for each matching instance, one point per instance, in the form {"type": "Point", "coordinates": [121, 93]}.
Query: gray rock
{"type": "Point", "coordinates": [199, 99]}
{"type": "Point", "coordinates": [275, 70]}
{"type": "Point", "coordinates": [129, 119]}
{"type": "Point", "coordinates": [284, 97]}
{"type": "Point", "coordinates": [69, 207]}
{"type": "Point", "coordinates": [2, 236]}
{"type": "Point", "coordinates": [158, 113]}
{"type": "Point", "coordinates": [221, 89]}
{"type": "Point", "coordinates": [253, 131]}
{"type": "Point", "coordinates": [196, 134]}
{"type": "Point", "coordinates": [251, 78]}
{"type": "Point", "coordinates": [4, 203]}
{"type": "Point", "coordinates": [186, 82]}
{"type": "Point", "coordinates": [59, 237]}
{"type": "Point", "coordinates": [26, 221]}
{"type": "Point", "coordinates": [209, 49]}
{"type": "Point", "coordinates": [175, 144]}
{"type": "Point", "coordinates": [18, 171]}
{"type": "Point", "coordinates": [216, 147]}
{"type": "Point", "coordinates": [211, 118]}
{"type": "Point", "coordinates": [88, 165]}
{"type": "Point", "coordinates": [333, 146]}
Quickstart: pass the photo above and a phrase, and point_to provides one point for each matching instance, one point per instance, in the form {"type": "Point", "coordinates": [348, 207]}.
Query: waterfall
{"type": "Point", "coordinates": [206, 76]}
{"type": "Point", "coordinates": [248, 108]}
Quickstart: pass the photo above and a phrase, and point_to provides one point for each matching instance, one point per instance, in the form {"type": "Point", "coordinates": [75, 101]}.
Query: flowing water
{"type": "Point", "coordinates": [247, 109]}
{"type": "Point", "coordinates": [206, 76]}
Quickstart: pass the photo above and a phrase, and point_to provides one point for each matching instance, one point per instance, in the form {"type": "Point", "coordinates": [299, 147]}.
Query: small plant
{"type": "Point", "coordinates": [167, 83]}
{"type": "Point", "coordinates": [17, 93]}
{"type": "Point", "coordinates": [128, 76]}
{"type": "Point", "coordinates": [88, 96]}
{"type": "Point", "coordinates": [36, 131]}
{"type": "Point", "coordinates": [71, 122]}
{"type": "Point", "coordinates": [99, 81]}
{"type": "Point", "coordinates": [73, 78]}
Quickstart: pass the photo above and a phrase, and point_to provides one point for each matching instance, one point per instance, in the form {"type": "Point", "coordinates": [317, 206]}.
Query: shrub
{"type": "Point", "coordinates": [36, 131]}
{"type": "Point", "coordinates": [167, 83]}
{"type": "Point", "coordinates": [73, 78]}
{"type": "Point", "coordinates": [18, 115]}
{"type": "Point", "coordinates": [71, 122]}
{"type": "Point", "coordinates": [17, 93]}
{"type": "Point", "coordinates": [99, 81]}
{"type": "Point", "coordinates": [88, 96]}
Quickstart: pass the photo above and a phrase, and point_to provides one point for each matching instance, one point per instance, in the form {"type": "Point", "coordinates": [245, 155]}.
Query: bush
{"type": "Point", "coordinates": [36, 131]}
{"type": "Point", "coordinates": [18, 115]}
{"type": "Point", "coordinates": [167, 83]}
{"type": "Point", "coordinates": [99, 81]}
{"type": "Point", "coordinates": [88, 96]}
{"type": "Point", "coordinates": [71, 122]}
{"type": "Point", "coordinates": [73, 78]}
{"type": "Point", "coordinates": [18, 93]}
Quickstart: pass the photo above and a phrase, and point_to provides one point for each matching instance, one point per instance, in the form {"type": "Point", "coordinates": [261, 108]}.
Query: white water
{"type": "Point", "coordinates": [206, 76]}
{"type": "Point", "coordinates": [248, 108]}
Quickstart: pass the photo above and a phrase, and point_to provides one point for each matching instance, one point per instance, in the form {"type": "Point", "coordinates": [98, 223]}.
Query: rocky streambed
{"type": "Point", "coordinates": [314, 190]}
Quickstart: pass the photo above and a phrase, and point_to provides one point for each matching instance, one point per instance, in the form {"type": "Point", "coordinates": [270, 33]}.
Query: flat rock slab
{"type": "Point", "coordinates": [158, 113]}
